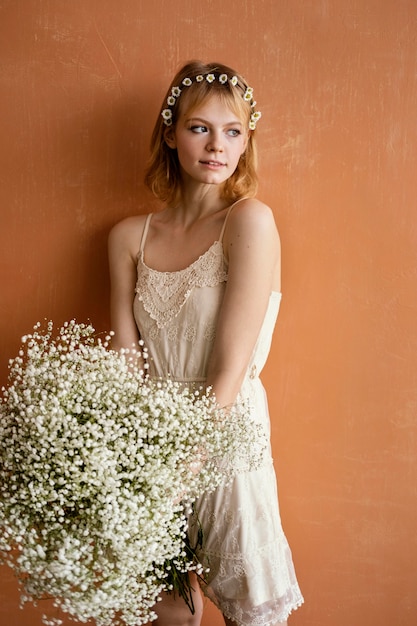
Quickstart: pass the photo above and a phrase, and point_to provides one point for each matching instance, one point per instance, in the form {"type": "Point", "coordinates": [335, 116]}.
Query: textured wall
{"type": "Point", "coordinates": [336, 80]}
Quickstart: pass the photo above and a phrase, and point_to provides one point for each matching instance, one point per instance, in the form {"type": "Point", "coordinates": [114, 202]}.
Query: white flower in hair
{"type": "Point", "coordinates": [248, 94]}
{"type": "Point", "coordinates": [167, 115]}
{"type": "Point", "coordinates": [256, 115]}
{"type": "Point", "coordinates": [210, 78]}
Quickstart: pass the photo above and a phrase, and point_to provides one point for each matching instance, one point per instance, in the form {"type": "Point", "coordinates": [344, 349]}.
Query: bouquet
{"type": "Point", "coordinates": [99, 466]}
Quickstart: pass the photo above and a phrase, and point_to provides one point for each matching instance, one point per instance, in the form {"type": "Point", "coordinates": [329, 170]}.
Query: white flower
{"type": "Point", "coordinates": [94, 461]}
{"type": "Point", "coordinates": [223, 78]}
{"type": "Point", "coordinates": [254, 118]}
{"type": "Point", "coordinates": [248, 94]}
{"type": "Point", "coordinates": [167, 116]}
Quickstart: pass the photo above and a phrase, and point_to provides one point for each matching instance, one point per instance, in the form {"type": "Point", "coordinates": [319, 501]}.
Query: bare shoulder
{"type": "Point", "coordinates": [251, 220]}
{"type": "Point", "coordinates": [128, 226]}
{"type": "Point", "coordinates": [252, 247]}
{"type": "Point", "coordinates": [127, 234]}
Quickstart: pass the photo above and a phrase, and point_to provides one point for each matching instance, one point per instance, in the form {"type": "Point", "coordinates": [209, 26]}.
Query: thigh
{"type": "Point", "coordinates": [172, 610]}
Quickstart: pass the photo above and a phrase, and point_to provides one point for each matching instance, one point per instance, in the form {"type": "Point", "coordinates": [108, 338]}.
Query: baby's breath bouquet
{"type": "Point", "coordinates": [99, 466]}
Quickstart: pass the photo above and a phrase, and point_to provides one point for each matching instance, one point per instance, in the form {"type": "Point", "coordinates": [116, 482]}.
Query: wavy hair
{"type": "Point", "coordinates": [163, 173]}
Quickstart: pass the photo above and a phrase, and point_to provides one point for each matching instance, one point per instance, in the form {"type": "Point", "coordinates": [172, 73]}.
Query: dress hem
{"type": "Point", "coordinates": [296, 604]}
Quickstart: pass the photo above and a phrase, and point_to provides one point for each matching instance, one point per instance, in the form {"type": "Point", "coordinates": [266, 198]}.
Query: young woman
{"type": "Point", "coordinates": [199, 283]}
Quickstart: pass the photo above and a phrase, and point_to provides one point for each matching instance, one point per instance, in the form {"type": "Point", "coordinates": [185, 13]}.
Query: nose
{"type": "Point", "coordinates": [214, 144]}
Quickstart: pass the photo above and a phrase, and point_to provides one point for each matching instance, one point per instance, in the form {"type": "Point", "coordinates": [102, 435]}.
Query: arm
{"type": "Point", "coordinates": [252, 245]}
{"type": "Point", "coordinates": [123, 245]}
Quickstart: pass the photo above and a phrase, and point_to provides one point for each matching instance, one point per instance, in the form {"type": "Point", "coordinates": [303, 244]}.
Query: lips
{"type": "Point", "coordinates": [213, 163]}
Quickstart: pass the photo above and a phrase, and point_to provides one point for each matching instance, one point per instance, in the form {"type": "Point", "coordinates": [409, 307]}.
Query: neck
{"type": "Point", "coordinates": [200, 200]}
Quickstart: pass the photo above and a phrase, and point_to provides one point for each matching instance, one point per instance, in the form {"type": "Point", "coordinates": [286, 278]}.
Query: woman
{"type": "Point", "coordinates": [199, 283]}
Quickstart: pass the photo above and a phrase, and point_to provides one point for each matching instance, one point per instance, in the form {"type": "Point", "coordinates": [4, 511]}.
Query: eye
{"type": "Point", "coordinates": [233, 132]}
{"type": "Point", "coordinates": [198, 129]}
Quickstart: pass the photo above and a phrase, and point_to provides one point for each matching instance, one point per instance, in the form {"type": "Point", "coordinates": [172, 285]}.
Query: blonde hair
{"type": "Point", "coordinates": [163, 174]}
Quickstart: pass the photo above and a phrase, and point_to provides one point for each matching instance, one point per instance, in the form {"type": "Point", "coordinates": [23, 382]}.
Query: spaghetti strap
{"type": "Point", "coordinates": [145, 232]}
{"type": "Point", "coordinates": [149, 217]}
{"type": "Point", "coordinates": [229, 210]}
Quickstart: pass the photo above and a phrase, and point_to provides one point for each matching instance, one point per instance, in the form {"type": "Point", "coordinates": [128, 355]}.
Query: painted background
{"type": "Point", "coordinates": [81, 82]}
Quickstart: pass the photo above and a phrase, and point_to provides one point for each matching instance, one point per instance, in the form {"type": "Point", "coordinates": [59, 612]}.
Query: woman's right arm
{"type": "Point", "coordinates": [123, 245]}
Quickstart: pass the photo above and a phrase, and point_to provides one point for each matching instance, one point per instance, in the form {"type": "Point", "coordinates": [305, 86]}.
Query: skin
{"type": "Point", "coordinates": [209, 143]}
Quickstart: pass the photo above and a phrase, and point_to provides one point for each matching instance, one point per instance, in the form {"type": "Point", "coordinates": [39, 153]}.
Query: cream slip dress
{"type": "Point", "coordinates": [251, 576]}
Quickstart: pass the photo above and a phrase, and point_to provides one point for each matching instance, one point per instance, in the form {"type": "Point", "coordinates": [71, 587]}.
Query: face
{"type": "Point", "coordinates": [209, 142]}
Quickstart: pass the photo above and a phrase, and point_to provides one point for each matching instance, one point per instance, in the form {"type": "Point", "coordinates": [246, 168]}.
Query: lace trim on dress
{"type": "Point", "coordinates": [163, 294]}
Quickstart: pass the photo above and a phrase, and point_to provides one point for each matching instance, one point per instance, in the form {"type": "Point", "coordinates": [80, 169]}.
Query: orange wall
{"type": "Point", "coordinates": [81, 82]}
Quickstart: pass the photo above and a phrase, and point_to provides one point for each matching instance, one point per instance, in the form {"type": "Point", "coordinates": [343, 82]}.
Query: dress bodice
{"type": "Point", "coordinates": [176, 313]}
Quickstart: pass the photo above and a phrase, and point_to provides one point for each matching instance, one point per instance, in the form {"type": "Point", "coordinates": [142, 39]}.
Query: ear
{"type": "Point", "coordinates": [169, 136]}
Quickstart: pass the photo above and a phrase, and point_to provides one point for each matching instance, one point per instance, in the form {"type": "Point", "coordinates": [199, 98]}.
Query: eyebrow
{"type": "Point", "coordinates": [206, 122]}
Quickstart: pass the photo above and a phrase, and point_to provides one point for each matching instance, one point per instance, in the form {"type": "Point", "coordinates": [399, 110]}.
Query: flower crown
{"type": "Point", "coordinates": [210, 78]}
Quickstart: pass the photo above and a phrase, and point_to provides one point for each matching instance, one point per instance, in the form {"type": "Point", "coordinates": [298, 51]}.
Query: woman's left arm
{"type": "Point", "coordinates": [252, 247]}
